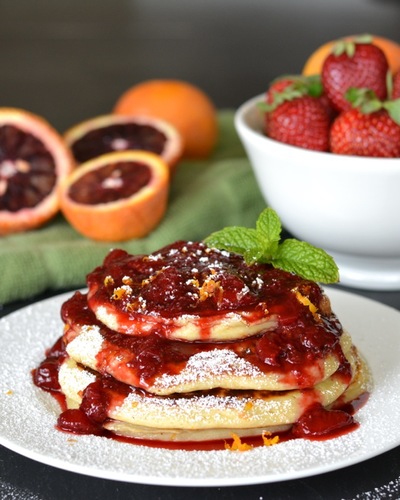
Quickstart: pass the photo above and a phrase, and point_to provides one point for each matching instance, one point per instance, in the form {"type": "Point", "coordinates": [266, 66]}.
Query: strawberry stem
{"type": "Point", "coordinates": [367, 102]}
{"type": "Point", "coordinates": [348, 46]}
{"type": "Point", "coordinates": [363, 99]}
{"type": "Point", "coordinates": [393, 109]}
{"type": "Point", "coordinates": [300, 86]}
{"type": "Point", "coordinates": [389, 84]}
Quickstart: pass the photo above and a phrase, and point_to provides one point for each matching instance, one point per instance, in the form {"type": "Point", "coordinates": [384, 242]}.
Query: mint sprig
{"type": "Point", "coordinates": [263, 245]}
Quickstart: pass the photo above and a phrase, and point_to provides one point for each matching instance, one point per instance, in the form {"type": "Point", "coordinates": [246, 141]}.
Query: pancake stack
{"type": "Point", "coordinates": [190, 343]}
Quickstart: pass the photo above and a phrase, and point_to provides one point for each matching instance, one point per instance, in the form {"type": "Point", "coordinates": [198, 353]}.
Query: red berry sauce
{"type": "Point", "coordinates": [295, 349]}
{"type": "Point", "coordinates": [162, 284]}
{"type": "Point", "coordinates": [190, 279]}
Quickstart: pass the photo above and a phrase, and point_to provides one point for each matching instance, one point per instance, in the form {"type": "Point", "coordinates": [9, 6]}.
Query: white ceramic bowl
{"type": "Point", "coordinates": [347, 205]}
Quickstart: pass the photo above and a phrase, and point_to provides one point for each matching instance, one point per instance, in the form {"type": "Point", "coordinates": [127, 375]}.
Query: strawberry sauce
{"type": "Point", "coordinates": [167, 283]}
{"type": "Point", "coordinates": [295, 349]}
{"type": "Point", "coordinates": [316, 423]}
{"type": "Point", "coordinates": [190, 279]}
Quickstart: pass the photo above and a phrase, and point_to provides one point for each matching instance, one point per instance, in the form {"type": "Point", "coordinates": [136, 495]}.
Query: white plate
{"type": "Point", "coordinates": [28, 415]}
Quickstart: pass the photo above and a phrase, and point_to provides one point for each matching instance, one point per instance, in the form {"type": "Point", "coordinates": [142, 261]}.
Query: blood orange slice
{"type": "Point", "coordinates": [33, 161]}
{"type": "Point", "coordinates": [110, 133]}
{"type": "Point", "coordinates": [116, 196]}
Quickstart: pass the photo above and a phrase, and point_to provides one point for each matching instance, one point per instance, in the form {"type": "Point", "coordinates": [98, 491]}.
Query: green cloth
{"type": "Point", "coordinates": [205, 196]}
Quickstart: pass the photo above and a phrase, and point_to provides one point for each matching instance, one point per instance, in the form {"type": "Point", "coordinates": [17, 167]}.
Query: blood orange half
{"type": "Point", "coordinates": [110, 133]}
{"type": "Point", "coordinates": [33, 161]}
{"type": "Point", "coordinates": [117, 196]}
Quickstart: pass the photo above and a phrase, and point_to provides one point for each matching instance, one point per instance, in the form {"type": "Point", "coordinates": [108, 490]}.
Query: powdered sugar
{"type": "Point", "coordinates": [390, 490]}
{"type": "Point", "coordinates": [10, 492]}
{"type": "Point", "coordinates": [87, 345]}
{"type": "Point", "coordinates": [27, 415]}
{"type": "Point", "coordinates": [218, 362]}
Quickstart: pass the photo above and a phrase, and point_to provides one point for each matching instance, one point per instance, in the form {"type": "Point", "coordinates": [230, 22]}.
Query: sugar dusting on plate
{"type": "Point", "coordinates": [10, 492]}
{"type": "Point", "coordinates": [390, 490]}
{"type": "Point", "coordinates": [28, 416]}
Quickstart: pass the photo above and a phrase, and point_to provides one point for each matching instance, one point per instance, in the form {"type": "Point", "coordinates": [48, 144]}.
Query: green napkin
{"type": "Point", "coordinates": [205, 196]}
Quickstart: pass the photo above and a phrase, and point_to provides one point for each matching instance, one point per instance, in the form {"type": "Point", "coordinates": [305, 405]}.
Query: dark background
{"type": "Point", "coordinates": [70, 60]}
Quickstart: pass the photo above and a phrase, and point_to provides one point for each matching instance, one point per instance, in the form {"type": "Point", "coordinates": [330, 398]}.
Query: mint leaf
{"type": "Point", "coordinates": [307, 261]}
{"type": "Point", "coordinates": [263, 245]}
{"type": "Point", "coordinates": [241, 240]}
{"type": "Point", "coordinates": [268, 229]}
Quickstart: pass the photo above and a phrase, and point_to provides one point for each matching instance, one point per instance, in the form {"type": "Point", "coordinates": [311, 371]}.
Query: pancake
{"type": "Point", "coordinates": [209, 410]}
{"type": "Point", "coordinates": [192, 344]}
{"type": "Point", "coordinates": [201, 367]}
{"type": "Point", "coordinates": [163, 366]}
{"type": "Point", "coordinates": [188, 291]}
{"type": "Point", "coordinates": [187, 435]}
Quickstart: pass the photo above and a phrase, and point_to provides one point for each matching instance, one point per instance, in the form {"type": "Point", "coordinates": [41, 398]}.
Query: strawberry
{"type": "Point", "coordinates": [301, 122]}
{"type": "Point", "coordinates": [356, 63]}
{"type": "Point", "coordinates": [374, 134]}
{"type": "Point", "coordinates": [372, 128]}
{"type": "Point", "coordinates": [290, 86]}
{"type": "Point", "coordinates": [278, 86]}
{"type": "Point", "coordinates": [296, 113]}
{"type": "Point", "coordinates": [396, 86]}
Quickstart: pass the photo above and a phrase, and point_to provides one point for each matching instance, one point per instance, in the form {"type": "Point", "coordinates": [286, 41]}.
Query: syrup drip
{"type": "Point", "coordinates": [292, 350]}
{"type": "Point", "coordinates": [316, 423]}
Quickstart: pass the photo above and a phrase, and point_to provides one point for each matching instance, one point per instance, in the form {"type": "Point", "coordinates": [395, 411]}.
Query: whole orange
{"type": "Point", "coordinates": [180, 103]}
{"type": "Point", "coordinates": [391, 49]}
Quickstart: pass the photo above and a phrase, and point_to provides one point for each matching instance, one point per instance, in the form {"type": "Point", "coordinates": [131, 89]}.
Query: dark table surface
{"type": "Point", "coordinates": [70, 60]}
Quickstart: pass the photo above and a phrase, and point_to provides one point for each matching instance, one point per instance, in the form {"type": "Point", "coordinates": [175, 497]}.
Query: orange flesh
{"type": "Point", "coordinates": [110, 183]}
